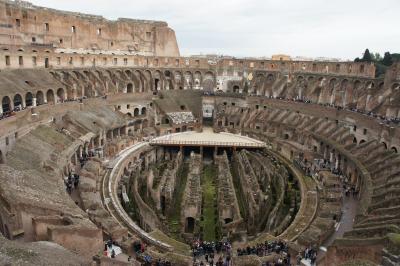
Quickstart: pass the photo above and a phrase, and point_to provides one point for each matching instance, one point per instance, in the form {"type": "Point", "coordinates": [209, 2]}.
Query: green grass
{"type": "Point", "coordinates": [174, 214]}
{"type": "Point", "coordinates": [210, 219]}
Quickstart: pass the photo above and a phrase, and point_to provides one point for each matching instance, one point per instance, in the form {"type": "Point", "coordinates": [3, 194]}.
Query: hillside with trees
{"type": "Point", "coordinates": [381, 63]}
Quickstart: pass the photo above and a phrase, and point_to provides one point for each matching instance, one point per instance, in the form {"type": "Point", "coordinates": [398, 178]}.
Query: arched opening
{"type": "Point", "coordinates": [39, 98]}
{"type": "Point", "coordinates": [17, 102]}
{"type": "Point", "coordinates": [362, 141]}
{"type": "Point", "coordinates": [162, 204]}
{"type": "Point", "coordinates": [1, 160]}
{"type": "Point", "coordinates": [236, 89]}
{"type": "Point", "coordinates": [286, 136]}
{"type": "Point", "coordinates": [129, 88]}
{"type": "Point", "coordinates": [394, 149]}
{"type": "Point", "coordinates": [190, 222]}
{"type": "Point", "coordinates": [228, 220]}
{"type": "Point", "coordinates": [6, 104]}
{"type": "Point", "coordinates": [355, 140]}
{"type": "Point", "coordinates": [50, 96]}
{"type": "Point", "coordinates": [60, 95]}
{"type": "Point", "coordinates": [28, 99]}
{"type": "Point", "coordinates": [156, 82]}
{"type": "Point", "coordinates": [136, 112]}
{"type": "Point", "coordinates": [144, 111]}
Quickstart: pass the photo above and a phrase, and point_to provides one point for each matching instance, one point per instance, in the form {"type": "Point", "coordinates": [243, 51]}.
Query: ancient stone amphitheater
{"type": "Point", "coordinates": [107, 133]}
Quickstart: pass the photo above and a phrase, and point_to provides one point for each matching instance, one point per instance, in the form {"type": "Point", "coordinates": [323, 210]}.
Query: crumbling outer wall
{"type": "Point", "coordinates": [85, 241]}
{"type": "Point", "coordinates": [68, 30]}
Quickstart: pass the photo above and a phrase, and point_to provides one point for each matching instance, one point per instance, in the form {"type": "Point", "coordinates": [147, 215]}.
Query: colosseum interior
{"type": "Point", "coordinates": [116, 150]}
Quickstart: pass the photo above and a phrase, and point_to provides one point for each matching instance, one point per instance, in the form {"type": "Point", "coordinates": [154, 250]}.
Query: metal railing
{"type": "Point", "coordinates": [207, 143]}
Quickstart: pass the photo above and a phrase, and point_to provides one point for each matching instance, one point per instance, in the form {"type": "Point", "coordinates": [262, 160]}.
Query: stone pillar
{"type": "Point", "coordinates": [337, 162]}
{"type": "Point", "coordinates": [34, 102]}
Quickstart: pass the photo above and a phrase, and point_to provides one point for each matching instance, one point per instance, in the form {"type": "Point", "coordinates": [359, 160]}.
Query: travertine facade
{"type": "Point", "coordinates": [31, 27]}
{"type": "Point", "coordinates": [82, 94]}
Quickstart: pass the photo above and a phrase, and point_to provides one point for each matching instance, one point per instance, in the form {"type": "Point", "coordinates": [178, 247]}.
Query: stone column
{"type": "Point", "coordinates": [337, 163]}
{"type": "Point", "coordinates": [34, 102]}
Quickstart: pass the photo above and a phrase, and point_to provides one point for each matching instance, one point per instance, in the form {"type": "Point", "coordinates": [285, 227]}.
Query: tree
{"type": "Point", "coordinates": [387, 59]}
{"type": "Point", "coordinates": [376, 57]}
{"type": "Point", "coordinates": [357, 60]}
{"type": "Point", "coordinates": [367, 56]}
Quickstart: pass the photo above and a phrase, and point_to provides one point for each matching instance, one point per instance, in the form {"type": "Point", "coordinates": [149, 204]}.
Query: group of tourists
{"type": "Point", "coordinates": [382, 118]}
{"type": "Point", "coordinates": [71, 182]}
{"type": "Point", "coordinates": [268, 248]}
{"type": "Point", "coordinates": [264, 249]}
{"type": "Point", "coordinates": [201, 248]}
{"type": "Point", "coordinates": [214, 253]}
{"type": "Point", "coordinates": [139, 249]}
{"type": "Point", "coordinates": [309, 254]}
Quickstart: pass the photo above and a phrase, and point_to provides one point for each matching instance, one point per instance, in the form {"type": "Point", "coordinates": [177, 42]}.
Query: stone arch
{"type": "Point", "coordinates": [39, 98]}
{"type": "Point", "coordinates": [50, 96]}
{"type": "Point", "coordinates": [355, 140]}
{"type": "Point", "coordinates": [178, 79]}
{"type": "Point", "coordinates": [362, 141]}
{"type": "Point", "coordinates": [394, 149]}
{"type": "Point", "coordinates": [189, 225]}
{"type": "Point", "coordinates": [395, 86]}
{"type": "Point", "coordinates": [61, 95]}
{"type": "Point", "coordinates": [138, 80]}
{"type": "Point", "coordinates": [88, 91]}
{"type": "Point", "coordinates": [270, 78]}
{"type": "Point", "coordinates": [158, 80]}
{"type": "Point", "coordinates": [129, 88]}
{"type": "Point", "coordinates": [28, 99]}
{"type": "Point", "coordinates": [143, 111]}
{"type": "Point", "coordinates": [148, 81]}
{"type": "Point", "coordinates": [332, 83]}
{"type": "Point", "coordinates": [197, 79]}
{"type": "Point", "coordinates": [236, 89]}
{"type": "Point", "coordinates": [188, 82]}
{"type": "Point", "coordinates": [18, 101]}
{"type": "Point", "coordinates": [136, 112]}
{"type": "Point", "coordinates": [6, 104]}
{"type": "Point", "coordinates": [369, 85]}
{"type": "Point", "coordinates": [208, 82]}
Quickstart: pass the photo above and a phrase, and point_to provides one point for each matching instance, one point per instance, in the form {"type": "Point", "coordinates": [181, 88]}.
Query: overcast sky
{"type": "Point", "coordinates": [330, 28]}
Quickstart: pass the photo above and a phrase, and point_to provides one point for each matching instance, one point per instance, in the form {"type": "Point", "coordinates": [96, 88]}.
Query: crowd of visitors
{"type": "Point", "coordinates": [214, 253]}
{"type": "Point", "coordinates": [264, 249]}
{"type": "Point", "coordinates": [71, 182]}
{"type": "Point", "coordinates": [267, 248]}
{"type": "Point", "coordinates": [382, 118]}
{"type": "Point", "coordinates": [309, 254]}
